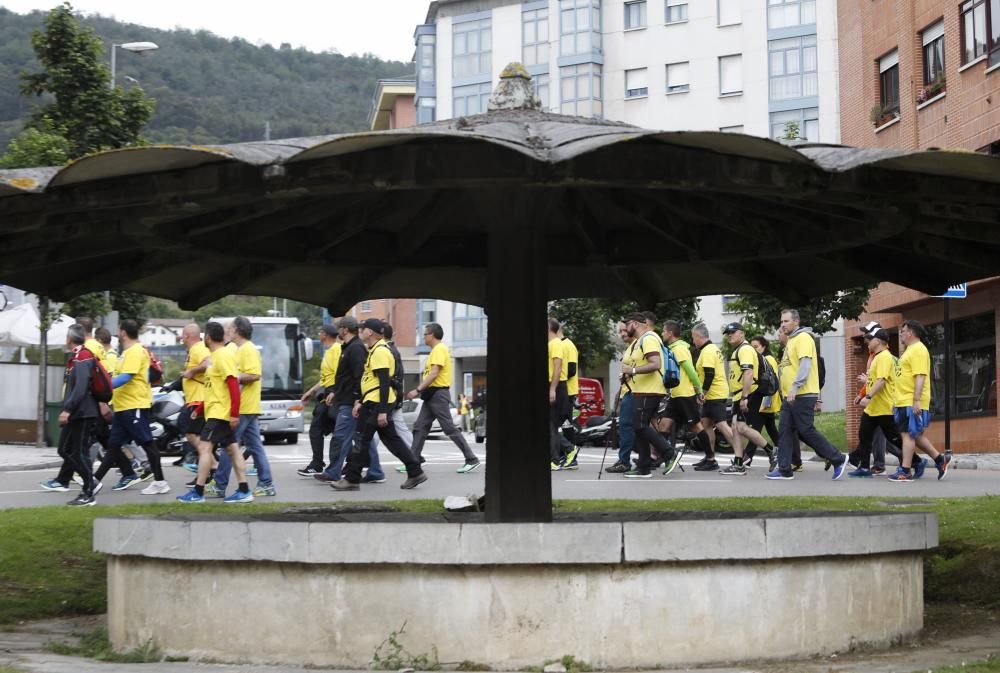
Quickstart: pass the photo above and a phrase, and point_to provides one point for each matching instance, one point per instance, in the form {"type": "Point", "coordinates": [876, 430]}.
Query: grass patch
{"type": "Point", "coordinates": [10, 669]}
{"type": "Point", "coordinates": [831, 424]}
{"type": "Point", "coordinates": [49, 570]}
{"type": "Point", "coordinates": [990, 665]}
{"type": "Point", "coordinates": [96, 645]}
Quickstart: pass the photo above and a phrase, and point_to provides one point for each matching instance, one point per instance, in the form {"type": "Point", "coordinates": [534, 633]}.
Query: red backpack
{"type": "Point", "coordinates": [100, 380]}
{"type": "Point", "coordinates": [155, 368]}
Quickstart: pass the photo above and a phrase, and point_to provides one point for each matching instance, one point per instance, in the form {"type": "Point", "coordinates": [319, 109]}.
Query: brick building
{"type": "Point", "coordinates": [932, 66]}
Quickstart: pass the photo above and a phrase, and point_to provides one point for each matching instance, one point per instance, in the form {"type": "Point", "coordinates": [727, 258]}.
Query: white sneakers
{"type": "Point", "coordinates": [156, 488]}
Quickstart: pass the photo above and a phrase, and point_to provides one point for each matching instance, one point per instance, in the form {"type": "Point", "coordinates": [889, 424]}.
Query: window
{"type": "Point", "coordinates": [675, 11]}
{"type": "Point", "coordinates": [470, 99]}
{"type": "Point", "coordinates": [426, 110]}
{"type": "Point", "coordinates": [469, 323]}
{"type": "Point", "coordinates": [973, 370]}
{"type": "Point", "coordinates": [635, 15]}
{"type": "Point", "coordinates": [541, 84]}
{"type": "Point", "coordinates": [636, 83]}
{"type": "Point", "coordinates": [783, 125]}
{"type": "Point", "coordinates": [792, 67]}
{"type": "Point", "coordinates": [580, 26]}
{"type": "Point", "coordinates": [994, 16]}
{"type": "Point", "coordinates": [981, 30]}
{"type": "Point", "coordinates": [933, 41]}
{"type": "Point", "coordinates": [535, 37]}
{"type": "Point", "coordinates": [731, 75]}
{"type": "Point", "coordinates": [580, 87]}
{"type": "Point", "coordinates": [727, 302]}
{"type": "Point", "coordinates": [729, 12]}
{"type": "Point", "coordinates": [677, 77]}
{"type": "Point", "coordinates": [472, 48]}
{"type": "Point", "coordinates": [784, 13]}
{"type": "Point", "coordinates": [425, 59]}
{"type": "Point", "coordinates": [888, 79]}
{"type": "Point", "coordinates": [366, 307]}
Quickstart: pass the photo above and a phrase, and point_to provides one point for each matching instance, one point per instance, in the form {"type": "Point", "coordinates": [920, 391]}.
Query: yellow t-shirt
{"type": "Point", "coordinates": [682, 353]}
{"type": "Point", "coordinates": [379, 357]}
{"type": "Point", "coordinates": [110, 360]}
{"type": "Point", "coordinates": [439, 356]}
{"type": "Point", "coordinates": [572, 355]}
{"type": "Point", "coordinates": [136, 394]}
{"type": "Point", "coordinates": [914, 361]}
{"type": "Point", "coordinates": [232, 347]}
{"type": "Point", "coordinates": [556, 350]}
{"type": "Point", "coordinates": [194, 388]}
{"type": "Point", "coordinates": [650, 383]}
{"type": "Point", "coordinates": [97, 348]}
{"type": "Point", "coordinates": [775, 406]}
{"type": "Point", "coordinates": [328, 368]}
{"type": "Point", "coordinates": [799, 346]}
{"type": "Point", "coordinates": [217, 400]}
{"type": "Point", "coordinates": [248, 362]}
{"type": "Point", "coordinates": [883, 366]}
{"type": "Point", "coordinates": [742, 358]}
{"type": "Point", "coordinates": [711, 357]}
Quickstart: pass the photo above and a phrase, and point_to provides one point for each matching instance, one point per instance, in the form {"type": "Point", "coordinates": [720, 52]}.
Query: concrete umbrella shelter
{"type": "Point", "coordinates": [506, 209]}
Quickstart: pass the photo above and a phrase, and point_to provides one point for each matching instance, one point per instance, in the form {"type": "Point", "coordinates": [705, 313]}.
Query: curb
{"type": "Point", "coordinates": [31, 466]}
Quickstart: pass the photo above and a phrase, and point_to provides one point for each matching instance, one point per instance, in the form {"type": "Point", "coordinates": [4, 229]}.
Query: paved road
{"type": "Point", "coordinates": [20, 489]}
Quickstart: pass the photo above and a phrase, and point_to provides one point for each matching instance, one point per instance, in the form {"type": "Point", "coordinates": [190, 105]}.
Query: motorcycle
{"type": "Point", "coordinates": [168, 404]}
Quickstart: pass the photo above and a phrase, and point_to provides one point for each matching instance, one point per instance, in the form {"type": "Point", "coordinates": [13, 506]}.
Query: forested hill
{"type": "Point", "coordinates": [210, 89]}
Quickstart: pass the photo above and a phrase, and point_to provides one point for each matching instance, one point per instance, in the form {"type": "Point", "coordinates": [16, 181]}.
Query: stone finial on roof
{"type": "Point", "coordinates": [515, 91]}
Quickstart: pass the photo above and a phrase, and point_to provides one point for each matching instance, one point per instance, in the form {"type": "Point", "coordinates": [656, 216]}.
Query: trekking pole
{"type": "Point", "coordinates": [612, 433]}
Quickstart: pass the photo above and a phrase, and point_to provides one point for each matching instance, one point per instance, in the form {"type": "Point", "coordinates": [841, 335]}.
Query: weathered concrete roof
{"type": "Point", "coordinates": [628, 211]}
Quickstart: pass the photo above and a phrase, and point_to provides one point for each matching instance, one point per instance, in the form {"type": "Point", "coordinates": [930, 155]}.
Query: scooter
{"type": "Point", "coordinates": [168, 403]}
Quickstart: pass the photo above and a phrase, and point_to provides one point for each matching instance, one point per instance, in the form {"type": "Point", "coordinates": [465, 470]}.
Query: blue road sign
{"type": "Point", "coordinates": [959, 291]}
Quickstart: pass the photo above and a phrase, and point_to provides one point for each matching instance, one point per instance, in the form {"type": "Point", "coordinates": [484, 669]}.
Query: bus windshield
{"type": "Point", "coordinates": [280, 358]}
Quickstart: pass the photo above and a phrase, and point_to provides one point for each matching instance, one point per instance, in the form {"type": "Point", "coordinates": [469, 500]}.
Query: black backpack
{"type": "Point", "coordinates": [767, 378]}
{"type": "Point", "coordinates": [397, 378]}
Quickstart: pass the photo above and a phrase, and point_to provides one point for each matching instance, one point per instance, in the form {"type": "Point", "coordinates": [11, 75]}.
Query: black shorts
{"type": "Point", "coordinates": [218, 433]}
{"type": "Point", "coordinates": [715, 411]}
{"type": "Point", "coordinates": [683, 410]}
{"type": "Point", "coordinates": [191, 420]}
{"type": "Point", "coordinates": [752, 414]}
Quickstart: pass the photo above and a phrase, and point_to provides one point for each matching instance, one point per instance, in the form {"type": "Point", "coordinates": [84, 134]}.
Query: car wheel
{"type": "Point", "coordinates": [292, 438]}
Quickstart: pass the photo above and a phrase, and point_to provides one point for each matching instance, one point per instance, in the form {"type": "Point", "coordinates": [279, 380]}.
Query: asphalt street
{"type": "Point", "coordinates": [21, 488]}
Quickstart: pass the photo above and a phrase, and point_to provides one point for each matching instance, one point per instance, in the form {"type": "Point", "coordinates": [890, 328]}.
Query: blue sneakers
{"type": "Point", "coordinates": [252, 471]}
{"type": "Point", "coordinates": [839, 470]}
{"type": "Point", "coordinates": [919, 465]}
{"type": "Point", "coordinates": [860, 472]}
{"type": "Point", "coordinates": [191, 467]}
{"type": "Point", "coordinates": [239, 497]}
{"type": "Point", "coordinates": [191, 497]}
{"type": "Point", "coordinates": [778, 474]}
{"type": "Point", "coordinates": [54, 485]}
{"type": "Point", "coordinates": [125, 482]}
{"type": "Point", "coordinates": [213, 491]}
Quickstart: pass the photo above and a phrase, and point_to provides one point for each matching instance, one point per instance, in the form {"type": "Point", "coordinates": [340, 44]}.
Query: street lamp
{"type": "Point", "coordinates": [135, 48]}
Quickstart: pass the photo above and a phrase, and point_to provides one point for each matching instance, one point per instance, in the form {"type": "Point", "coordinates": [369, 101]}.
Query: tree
{"type": "Point", "coordinates": [819, 312]}
{"type": "Point", "coordinates": [130, 305]}
{"type": "Point", "coordinates": [93, 305]}
{"type": "Point", "coordinates": [791, 131]}
{"type": "Point", "coordinates": [37, 147]}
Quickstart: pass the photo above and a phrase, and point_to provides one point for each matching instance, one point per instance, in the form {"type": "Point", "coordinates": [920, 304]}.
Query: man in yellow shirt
{"type": "Point", "coordinates": [435, 391]}
{"type": "Point", "coordinates": [642, 371]}
{"type": "Point", "coordinates": [912, 401]}
{"type": "Point", "coordinates": [770, 406]}
{"type": "Point", "coordinates": [572, 364]}
{"type": "Point", "coordinates": [683, 406]}
{"type": "Point", "coordinates": [711, 369]}
{"type": "Point", "coordinates": [558, 395]}
{"type": "Point", "coordinates": [744, 372]}
{"type": "Point", "coordinates": [324, 417]}
{"type": "Point", "coordinates": [876, 402]}
{"type": "Point", "coordinates": [373, 411]}
{"type": "Point", "coordinates": [249, 368]}
{"type": "Point", "coordinates": [192, 418]}
{"type": "Point", "coordinates": [626, 434]}
{"type": "Point", "coordinates": [800, 389]}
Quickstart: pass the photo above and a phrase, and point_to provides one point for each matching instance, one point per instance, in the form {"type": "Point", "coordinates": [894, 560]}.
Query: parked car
{"type": "Point", "coordinates": [411, 409]}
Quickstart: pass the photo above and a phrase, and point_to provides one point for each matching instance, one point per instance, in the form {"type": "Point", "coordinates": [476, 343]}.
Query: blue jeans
{"type": "Point", "coordinates": [248, 431]}
{"type": "Point", "coordinates": [626, 433]}
{"type": "Point", "coordinates": [340, 446]}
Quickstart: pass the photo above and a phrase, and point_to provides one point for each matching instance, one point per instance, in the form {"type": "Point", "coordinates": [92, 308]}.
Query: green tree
{"type": "Point", "coordinates": [819, 312]}
{"type": "Point", "coordinates": [87, 112]}
{"type": "Point", "coordinates": [93, 305]}
{"type": "Point", "coordinates": [130, 305]}
{"type": "Point", "coordinates": [791, 131]}
{"type": "Point", "coordinates": [37, 147]}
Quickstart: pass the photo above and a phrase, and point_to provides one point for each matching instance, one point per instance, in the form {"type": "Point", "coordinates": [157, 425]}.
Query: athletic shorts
{"type": "Point", "coordinates": [715, 411]}
{"type": "Point", "coordinates": [131, 425]}
{"type": "Point", "coordinates": [684, 410]}
{"type": "Point", "coordinates": [191, 420]}
{"type": "Point", "coordinates": [218, 433]}
{"type": "Point", "coordinates": [910, 424]}
{"type": "Point", "coordinates": [752, 415]}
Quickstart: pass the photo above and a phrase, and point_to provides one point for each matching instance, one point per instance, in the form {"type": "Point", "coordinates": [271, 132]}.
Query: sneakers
{"type": "Point", "coordinates": [878, 471]}
{"type": "Point", "coordinates": [261, 490]}
{"type": "Point", "coordinates": [942, 467]}
{"type": "Point", "coordinates": [617, 468]}
{"type": "Point", "coordinates": [156, 488]}
{"type": "Point", "coordinates": [252, 471]}
{"type": "Point", "coordinates": [469, 467]}
{"type": "Point", "coordinates": [82, 501]}
{"type": "Point", "coordinates": [344, 485]}
{"type": "Point", "coordinates": [324, 478]}
{"type": "Point", "coordinates": [735, 469]}
{"type": "Point", "coordinates": [797, 467]}
{"type": "Point", "coordinates": [860, 472]}
{"type": "Point", "coordinates": [919, 466]}
{"type": "Point", "coordinates": [839, 470]}
{"type": "Point", "coordinates": [78, 480]}
{"type": "Point", "coordinates": [191, 496]}
{"type": "Point", "coordinates": [213, 491]}
{"type": "Point", "coordinates": [413, 482]}
{"type": "Point", "coordinates": [778, 474]}
{"type": "Point", "coordinates": [239, 497]}
{"type": "Point", "coordinates": [54, 485]}
{"type": "Point", "coordinates": [571, 456]}
{"type": "Point", "coordinates": [309, 471]}
{"type": "Point", "coordinates": [706, 465]}
{"type": "Point", "coordinates": [566, 465]}
{"type": "Point", "coordinates": [674, 461]}
{"type": "Point", "coordinates": [637, 474]}
{"type": "Point", "coordinates": [401, 469]}
{"type": "Point", "coordinates": [901, 475]}
{"type": "Point", "coordinates": [190, 467]}
{"type": "Point", "coordinates": [827, 465]}
{"type": "Point", "coordinates": [368, 479]}
{"type": "Point", "coordinates": [146, 474]}
{"type": "Point", "coordinates": [124, 483]}
{"type": "Point", "coordinates": [97, 487]}
{"type": "Point", "coordinates": [555, 467]}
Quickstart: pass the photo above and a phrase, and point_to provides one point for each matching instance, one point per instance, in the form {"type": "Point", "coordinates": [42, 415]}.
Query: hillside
{"type": "Point", "coordinates": [210, 89]}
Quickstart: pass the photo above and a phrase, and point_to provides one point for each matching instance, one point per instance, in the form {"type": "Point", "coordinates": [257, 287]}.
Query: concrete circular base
{"type": "Point", "coordinates": [628, 591]}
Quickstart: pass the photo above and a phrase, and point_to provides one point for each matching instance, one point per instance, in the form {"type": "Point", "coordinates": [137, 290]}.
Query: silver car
{"type": "Point", "coordinates": [411, 409]}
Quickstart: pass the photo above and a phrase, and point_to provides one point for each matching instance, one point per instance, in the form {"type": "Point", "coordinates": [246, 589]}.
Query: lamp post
{"type": "Point", "coordinates": [134, 47]}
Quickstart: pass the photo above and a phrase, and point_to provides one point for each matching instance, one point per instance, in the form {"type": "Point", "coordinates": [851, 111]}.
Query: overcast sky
{"type": "Point", "coordinates": [381, 27]}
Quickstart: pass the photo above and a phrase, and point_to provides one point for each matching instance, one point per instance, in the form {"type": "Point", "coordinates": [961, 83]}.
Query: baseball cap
{"type": "Point", "coordinates": [880, 334]}
{"type": "Point", "coordinates": [869, 328]}
{"type": "Point", "coordinates": [637, 317]}
{"type": "Point", "coordinates": [329, 330]}
{"type": "Point", "coordinates": [732, 327]}
{"type": "Point", "coordinates": [348, 322]}
{"type": "Point", "coordinates": [374, 324]}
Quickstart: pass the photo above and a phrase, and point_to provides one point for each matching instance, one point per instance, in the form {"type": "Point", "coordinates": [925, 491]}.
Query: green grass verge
{"type": "Point", "coordinates": [96, 645]}
{"type": "Point", "coordinates": [991, 665]}
{"type": "Point", "coordinates": [831, 425]}
{"type": "Point", "coordinates": [47, 568]}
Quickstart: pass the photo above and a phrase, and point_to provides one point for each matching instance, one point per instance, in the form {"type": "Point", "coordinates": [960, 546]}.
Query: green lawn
{"type": "Point", "coordinates": [831, 424]}
{"type": "Point", "coordinates": [991, 665]}
{"type": "Point", "coordinates": [47, 568]}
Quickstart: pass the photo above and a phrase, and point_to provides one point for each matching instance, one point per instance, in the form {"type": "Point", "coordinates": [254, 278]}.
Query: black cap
{"type": "Point", "coordinates": [637, 317]}
{"type": "Point", "coordinates": [329, 330]}
{"type": "Point", "coordinates": [348, 322]}
{"type": "Point", "coordinates": [869, 328]}
{"type": "Point", "coordinates": [374, 324]}
{"type": "Point", "coordinates": [880, 334]}
{"type": "Point", "coordinates": [732, 327]}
